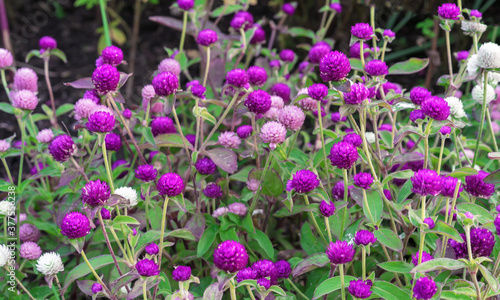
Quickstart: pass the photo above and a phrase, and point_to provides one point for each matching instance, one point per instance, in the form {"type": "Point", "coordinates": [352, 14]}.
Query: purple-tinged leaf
{"type": "Point", "coordinates": [493, 178]}
{"type": "Point", "coordinates": [83, 270]}
{"type": "Point", "coordinates": [67, 176]}
{"type": "Point", "coordinates": [86, 286]}
{"type": "Point", "coordinates": [196, 225]}
{"type": "Point", "coordinates": [82, 83]}
{"type": "Point", "coordinates": [224, 158]}
{"type": "Point", "coordinates": [310, 263]}
{"type": "Point", "coordinates": [123, 78]}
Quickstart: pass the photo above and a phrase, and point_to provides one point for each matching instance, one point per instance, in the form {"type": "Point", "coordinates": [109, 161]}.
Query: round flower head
{"type": "Point", "coordinates": [62, 148]}
{"type": "Point", "coordinates": [219, 212]}
{"type": "Point", "coordinates": [30, 250]}
{"type": "Point", "coordinates": [6, 58]}
{"type": "Point", "coordinates": [229, 139]}
{"type": "Point", "coordinates": [318, 51]}
{"type": "Point", "coordinates": [147, 268]}
{"type": "Point", "coordinates": [303, 181]}
{"type": "Point", "coordinates": [237, 78]}
{"type": "Point", "coordinates": [436, 108]}
{"type": "Point", "coordinates": [191, 138]}
{"type": "Point", "coordinates": [266, 268]}
{"type": "Point", "coordinates": [355, 50]}
{"type": "Point", "coordinates": [364, 237]}
{"type": "Point", "coordinates": [456, 107]}
{"type": "Point", "coordinates": [445, 130]}
{"type": "Point", "coordinates": [353, 138]}
{"type": "Point", "coordinates": [83, 107]}
{"type": "Point", "coordinates": [389, 33]}
{"type": "Point", "coordinates": [419, 94]}
{"type": "Point", "coordinates": [257, 75]}
{"type": "Point", "coordinates": [376, 68]}
{"type": "Point", "coordinates": [105, 214]}
{"type": "Point", "coordinates": [448, 185]}
{"type": "Point", "coordinates": [95, 193]}
{"type": "Point", "coordinates": [425, 257]}
{"type": "Point", "coordinates": [105, 79]}
{"type": "Point", "coordinates": [238, 208]}
{"type": "Point", "coordinates": [387, 194]}
{"type": "Point", "coordinates": [127, 113]}
{"type": "Point", "coordinates": [327, 209]}
{"type": "Point", "coordinates": [274, 64]}
{"type": "Point", "coordinates": [205, 166]}
{"type": "Point", "coordinates": [75, 225]}
{"type": "Point", "coordinates": [292, 117]}
{"type": "Point", "coordinates": [497, 223]}
{"type": "Point", "coordinates": [288, 9]}
{"type": "Point", "coordinates": [360, 289]}
{"type": "Point", "coordinates": [34, 170]}
{"type": "Point", "coordinates": [340, 252]}
{"type": "Point", "coordinates": [146, 173]}
{"type": "Point", "coordinates": [264, 282]}
{"type": "Point", "coordinates": [244, 131]}
{"type": "Point", "coordinates": [170, 184]}
{"type": "Point", "coordinates": [247, 19]}
{"type": "Point", "coordinates": [152, 249]}
{"type": "Point", "coordinates": [449, 11]}
{"type": "Point", "coordinates": [317, 91]}
{"type": "Point", "coordinates": [357, 95]}
{"type": "Point", "coordinates": [343, 155]}
{"type": "Point", "coordinates": [165, 83]}
{"type": "Point", "coordinates": [5, 254]}
{"type": "Point", "coordinates": [282, 90]}
{"type": "Point", "coordinates": [259, 35]}
{"type": "Point", "coordinates": [128, 193]}
{"type": "Point", "coordinates": [462, 55]}
{"type": "Point", "coordinates": [45, 136]}
{"type": "Point", "coordinates": [101, 119]}
{"type": "Point", "coordinates": [478, 94]}
{"type": "Point", "coordinates": [488, 56]}
{"type": "Point", "coordinates": [212, 190]}
{"type": "Point", "coordinates": [47, 43]}
{"type": "Point", "coordinates": [362, 31]}
{"type": "Point", "coordinates": [473, 65]}
{"type": "Point", "coordinates": [148, 92]}
{"type": "Point", "coordinates": [475, 185]}
{"type": "Point", "coordinates": [417, 114]}
{"type": "Point", "coordinates": [334, 66]}
{"type": "Point", "coordinates": [230, 256]}
{"type": "Point", "coordinates": [112, 55]}
{"type": "Point", "coordinates": [273, 133]}
{"type": "Point", "coordinates": [283, 268]}
{"type": "Point", "coordinates": [308, 104]}
{"type": "Point", "coordinates": [245, 274]}
{"type": "Point", "coordinates": [476, 13]}
{"type": "Point", "coordinates": [96, 288]}
{"type": "Point", "coordinates": [429, 222]}
{"type": "Point", "coordinates": [25, 79]}
{"type": "Point", "coordinates": [424, 288]}
{"type": "Point", "coordinates": [162, 125]}
{"type": "Point", "coordinates": [181, 273]}
{"type": "Point", "coordinates": [472, 27]}
{"type": "Point", "coordinates": [185, 4]}
{"type": "Point", "coordinates": [50, 264]}
{"type": "Point", "coordinates": [207, 37]}
{"type": "Point", "coordinates": [426, 182]}
{"type": "Point", "coordinates": [113, 141]}
{"type": "Point", "coordinates": [170, 65]}
{"type": "Point", "coordinates": [337, 117]}
{"type": "Point", "coordinates": [258, 102]}
{"type": "Point", "coordinates": [336, 7]}
{"type": "Point", "coordinates": [25, 99]}
{"type": "Point", "coordinates": [363, 180]}
{"type": "Point", "coordinates": [287, 55]}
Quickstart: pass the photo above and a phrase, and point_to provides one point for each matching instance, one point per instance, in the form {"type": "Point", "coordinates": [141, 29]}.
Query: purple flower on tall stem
{"type": "Point", "coordinates": [185, 4]}
{"type": "Point", "coordinates": [429, 222]}
{"type": "Point", "coordinates": [147, 268]}
{"type": "Point", "coordinates": [363, 180]}
{"type": "Point", "coordinates": [266, 268]}
{"type": "Point", "coordinates": [181, 273]}
{"type": "Point", "coordinates": [230, 256]}
{"type": "Point", "coordinates": [113, 141]}
{"type": "Point", "coordinates": [112, 55]}
{"type": "Point", "coordinates": [475, 185]}
{"type": "Point", "coordinates": [105, 79]}
{"type": "Point", "coordinates": [258, 102]}
{"type": "Point", "coordinates": [245, 274]}
{"type": "Point", "coordinates": [25, 79]}
{"type": "Point", "coordinates": [292, 117]}
{"type": "Point", "coordinates": [362, 31]}
{"type": "Point", "coordinates": [334, 66]}
{"type": "Point", "coordinates": [436, 108]}
{"type": "Point", "coordinates": [425, 257]}
{"type": "Point", "coordinates": [283, 268]}
{"type": "Point", "coordinates": [237, 77]}
{"type": "Point", "coordinates": [357, 94]}
{"type": "Point", "coordinates": [424, 288]}
{"type": "Point", "coordinates": [449, 11]}
{"type": "Point", "coordinates": [257, 75]}
{"type": "Point", "coordinates": [162, 125]}
{"type": "Point", "coordinates": [340, 252]}
{"type": "Point", "coordinates": [327, 209]}
{"type": "Point", "coordinates": [165, 83]}
{"type": "Point", "coordinates": [364, 237]}
{"type": "Point", "coordinates": [6, 58]}
{"type": "Point", "coordinates": [287, 55]}
{"type": "Point", "coordinates": [75, 225]}
{"type": "Point", "coordinates": [426, 182]}
{"type": "Point", "coordinates": [101, 120]}
{"type": "Point", "coordinates": [343, 155]}
{"type": "Point", "coordinates": [360, 289]}
{"type": "Point", "coordinates": [416, 115]}
{"type": "Point", "coordinates": [419, 94]}
{"type": "Point", "coordinates": [95, 193]}
{"type": "Point", "coordinates": [212, 190]}
{"type": "Point", "coordinates": [244, 131]}
{"type": "Point", "coordinates": [25, 99]}
{"type": "Point", "coordinates": [146, 173]}
{"type": "Point", "coordinates": [62, 148]}
{"type": "Point", "coordinates": [282, 90]}
{"type": "Point", "coordinates": [205, 166]}
{"type": "Point", "coordinates": [273, 133]}
{"type": "Point", "coordinates": [303, 181]}
{"type": "Point", "coordinates": [376, 68]}
{"type": "Point", "coordinates": [317, 91]}
{"type": "Point", "coordinates": [170, 184]}
{"type": "Point", "coordinates": [288, 9]}
{"type": "Point", "coordinates": [318, 51]}
{"type": "Point", "coordinates": [207, 37]}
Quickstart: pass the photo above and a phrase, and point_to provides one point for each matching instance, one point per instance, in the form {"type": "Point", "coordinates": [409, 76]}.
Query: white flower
{"type": "Point", "coordinates": [7, 208]}
{"type": "Point", "coordinates": [477, 94]}
{"type": "Point", "coordinates": [50, 264]}
{"type": "Point", "coordinates": [493, 78]}
{"type": "Point", "coordinates": [488, 56]}
{"type": "Point", "coordinates": [456, 107]}
{"type": "Point", "coordinates": [303, 91]}
{"type": "Point", "coordinates": [4, 255]}
{"type": "Point", "coordinates": [370, 137]}
{"type": "Point", "coordinates": [349, 238]}
{"type": "Point", "coordinates": [128, 193]}
{"type": "Point", "coordinates": [473, 65]}
{"type": "Point", "coordinates": [470, 27]}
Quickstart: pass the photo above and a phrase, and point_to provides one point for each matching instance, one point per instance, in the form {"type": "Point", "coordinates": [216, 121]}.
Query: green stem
{"type": "Point", "coordinates": [59, 286]}
{"type": "Point", "coordinates": [383, 50]}
{"type": "Point", "coordinates": [106, 164]}
{"type": "Point", "coordinates": [362, 56]}
{"type": "Point", "coordinates": [448, 53]}
{"type": "Point", "coordinates": [296, 289]}
{"type": "Point", "coordinates": [443, 139]}
{"type": "Point", "coordinates": [342, 283]}
{"type": "Point", "coordinates": [232, 290]}
{"type": "Point", "coordinates": [4, 82]}
{"type": "Point", "coordinates": [365, 143]}
{"type": "Point", "coordinates": [313, 220]}
{"type": "Point", "coordinates": [483, 113]}
{"type": "Point", "coordinates": [363, 257]}
{"type": "Point", "coordinates": [7, 170]}
{"type": "Point", "coordinates": [372, 23]}
{"type": "Point", "coordinates": [292, 143]}
{"type": "Point", "coordinates": [426, 143]}
{"type": "Point", "coordinates": [176, 118]}
{"type": "Point", "coordinates": [467, 236]}
{"type": "Point", "coordinates": [422, 232]}
{"type": "Point", "coordinates": [20, 284]}
{"type": "Point", "coordinates": [96, 276]}
{"type": "Point", "coordinates": [207, 67]}
{"type": "Point", "coordinates": [147, 206]}
{"type": "Point", "coordinates": [102, 4]}
{"type": "Point", "coordinates": [115, 236]}
{"type": "Point", "coordinates": [255, 199]}
{"type": "Point", "coordinates": [163, 221]}
{"type": "Point", "coordinates": [328, 230]}
{"type": "Point", "coordinates": [243, 38]}
{"type": "Point", "coordinates": [323, 146]}
{"type": "Point", "coordinates": [346, 194]}
{"type": "Point", "coordinates": [144, 291]}
{"type": "Point", "coordinates": [183, 34]}
{"type": "Point", "coordinates": [456, 148]}
{"type": "Point", "coordinates": [328, 23]}
{"type": "Point", "coordinates": [250, 293]}
{"type": "Point", "coordinates": [492, 132]}
{"type": "Point", "coordinates": [49, 88]}
{"type": "Point", "coordinates": [365, 203]}
{"type": "Point", "coordinates": [23, 137]}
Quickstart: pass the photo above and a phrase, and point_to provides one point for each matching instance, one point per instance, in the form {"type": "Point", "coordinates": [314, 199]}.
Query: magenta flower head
{"type": "Point", "coordinates": [355, 50]}
{"type": "Point", "coordinates": [6, 58]}
{"type": "Point", "coordinates": [445, 130]}
{"type": "Point", "coordinates": [237, 78]}
{"type": "Point", "coordinates": [92, 95]}
{"type": "Point", "coordinates": [152, 249]}
{"type": "Point", "coordinates": [482, 243]}
{"type": "Point", "coordinates": [425, 257]}
{"type": "Point", "coordinates": [496, 223]}
{"type": "Point", "coordinates": [238, 208]}
{"type": "Point", "coordinates": [96, 288]}
{"type": "Point", "coordinates": [448, 186]}
{"type": "Point", "coordinates": [113, 141]}
{"type": "Point", "coordinates": [112, 55]}
{"type": "Point", "coordinates": [205, 166]}
{"type": "Point", "coordinates": [334, 66]}
{"type": "Point", "coordinates": [426, 182]}
{"type": "Point", "coordinates": [25, 99]}
{"type": "Point", "coordinates": [357, 95]}
{"type": "Point", "coordinates": [147, 268]}
{"type": "Point", "coordinates": [230, 256]}
{"type": "Point", "coordinates": [207, 37]}
{"type": "Point", "coordinates": [257, 75]}
{"type": "Point", "coordinates": [105, 79]}
{"type": "Point", "coordinates": [170, 65]}
{"type": "Point", "coordinates": [429, 222]}
{"type": "Point", "coordinates": [198, 91]}
{"type": "Point", "coordinates": [127, 113]}
{"type": "Point", "coordinates": [101, 119]}
{"type": "Point", "coordinates": [229, 139]}
{"type": "Point", "coordinates": [287, 55]}
{"type": "Point", "coordinates": [170, 184]}
{"type": "Point", "coordinates": [274, 64]}
{"type": "Point", "coordinates": [47, 43]}
{"type": "Point", "coordinates": [462, 55]}
{"type": "Point", "coordinates": [363, 180]}
{"type": "Point", "coordinates": [30, 250]}
{"type": "Point", "coordinates": [244, 131]}
{"type": "Point", "coordinates": [317, 91]}
{"type": "Point", "coordinates": [185, 4]}
{"type": "Point", "coordinates": [106, 215]}
{"type": "Point", "coordinates": [360, 289]}
{"type": "Point", "coordinates": [343, 155]}
{"type": "Point", "coordinates": [95, 193]}
{"type": "Point", "coordinates": [245, 274]}
{"type": "Point", "coordinates": [475, 185]}
{"type": "Point", "coordinates": [181, 273]}
{"type": "Point", "coordinates": [327, 209]}
{"type": "Point", "coordinates": [258, 102]}
{"type": "Point", "coordinates": [247, 19]}
{"type": "Point", "coordinates": [336, 117]}
{"type": "Point", "coordinates": [282, 90]}
{"type": "Point", "coordinates": [340, 252]}
{"type": "Point", "coordinates": [29, 233]}
{"type": "Point", "coordinates": [303, 181]}
{"type": "Point", "coordinates": [146, 173]}
{"type": "Point", "coordinates": [449, 11]}
{"type": "Point", "coordinates": [283, 268]}
{"type": "Point", "coordinates": [419, 94]}
{"type": "Point", "coordinates": [212, 190]}
{"type": "Point", "coordinates": [288, 9]}
{"type": "Point", "coordinates": [259, 35]}
{"type": "Point", "coordinates": [476, 13]}
{"type": "Point", "coordinates": [165, 83]}
{"type": "Point", "coordinates": [318, 51]}
{"type": "Point", "coordinates": [25, 79]}
{"type": "Point", "coordinates": [389, 33]}
{"type": "Point", "coordinates": [266, 268]}
{"type": "Point", "coordinates": [387, 194]}
{"type": "Point", "coordinates": [424, 288]}
{"type": "Point", "coordinates": [75, 225]}
{"type": "Point", "coordinates": [436, 108]}
{"type": "Point", "coordinates": [292, 117]}
{"type": "Point", "coordinates": [376, 68]}
{"type": "Point", "coordinates": [362, 31]}
{"type": "Point", "coordinates": [273, 133]}
{"type": "Point", "coordinates": [416, 115]}
{"type": "Point", "coordinates": [264, 282]}
{"type": "Point", "coordinates": [62, 148]}
{"type": "Point", "coordinates": [162, 125]}
{"type": "Point", "coordinates": [364, 237]}
{"type": "Point", "coordinates": [353, 138]}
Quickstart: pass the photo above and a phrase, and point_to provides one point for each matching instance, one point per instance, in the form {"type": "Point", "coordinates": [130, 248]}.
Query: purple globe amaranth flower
{"type": "Point", "coordinates": [363, 180]}
{"type": "Point", "coordinates": [30, 250]}
{"type": "Point", "coordinates": [207, 37]}
{"type": "Point", "coordinates": [170, 65]}
{"type": "Point", "coordinates": [266, 268]}
{"type": "Point", "coordinates": [448, 185]}
{"type": "Point", "coordinates": [334, 66]}
{"type": "Point", "coordinates": [416, 164]}
{"type": "Point", "coordinates": [113, 141]}
{"type": "Point", "coordinates": [162, 125]}
{"type": "Point", "coordinates": [357, 95]}
{"type": "Point", "coordinates": [476, 13]}
{"type": "Point", "coordinates": [244, 131]}
{"type": "Point", "coordinates": [36, 167]}
{"type": "Point", "coordinates": [303, 181]}
{"type": "Point", "coordinates": [482, 243]}
{"type": "Point", "coordinates": [181, 273]}
{"type": "Point", "coordinates": [360, 289]}
{"type": "Point", "coordinates": [105, 214]}
{"type": "Point", "coordinates": [475, 185]}
{"type": "Point", "coordinates": [283, 268]}
{"type": "Point", "coordinates": [245, 274]}
{"type": "Point", "coordinates": [317, 91]}
{"type": "Point", "coordinates": [419, 94]}
{"type": "Point", "coordinates": [449, 11]}
{"type": "Point", "coordinates": [336, 7]}
{"type": "Point", "coordinates": [362, 31]}
{"type": "Point", "coordinates": [237, 78]}
{"type": "Point", "coordinates": [6, 59]}
{"type": "Point", "coordinates": [308, 104]}
{"type": "Point", "coordinates": [62, 148]}
{"type": "Point", "coordinates": [170, 184]}
{"type": "Point", "coordinates": [292, 117]}
{"type": "Point", "coordinates": [112, 55]}
{"type": "Point", "coordinates": [259, 35]}
{"type": "Point", "coordinates": [25, 79]}
{"type": "Point", "coordinates": [389, 33]}
{"type": "Point", "coordinates": [425, 257]}
{"type": "Point", "coordinates": [185, 4]}
{"type": "Point", "coordinates": [152, 249]}
{"type": "Point", "coordinates": [497, 224]}
{"type": "Point", "coordinates": [287, 55]}
{"type": "Point", "coordinates": [25, 99]}
{"type": "Point", "coordinates": [385, 127]}
{"type": "Point", "coordinates": [47, 43]}
{"type": "Point", "coordinates": [288, 9]}
{"type": "Point", "coordinates": [29, 233]}
{"type": "Point", "coordinates": [101, 119]}
{"type": "Point", "coordinates": [105, 79]}
{"type": "Point", "coordinates": [165, 83]}
{"type": "Point", "coordinates": [273, 133]}
{"type": "Point", "coordinates": [436, 108]}
{"type": "Point", "coordinates": [257, 75]}
{"type": "Point", "coordinates": [148, 92]}
{"type": "Point", "coordinates": [96, 288]}
{"type": "Point", "coordinates": [387, 194]}
{"type": "Point", "coordinates": [247, 17]}
{"type": "Point", "coordinates": [95, 193]}
{"type": "Point", "coordinates": [191, 138]}
{"type": "Point", "coordinates": [424, 288]}
{"type": "Point", "coordinates": [238, 208]}
{"type": "Point", "coordinates": [343, 155]}
{"type": "Point", "coordinates": [212, 190]}
{"type": "Point", "coordinates": [258, 102]}
{"type": "Point", "coordinates": [318, 51]}
{"type": "Point", "coordinates": [353, 138]}
{"type": "Point", "coordinates": [230, 256]}
{"type": "Point", "coordinates": [417, 114]}
{"type": "Point", "coordinates": [274, 64]}
{"type": "Point", "coordinates": [355, 50]}
{"type": "Point", "coordinates": [219, 212]}
{"type": "Point", "coordinates": [327, 209]}
{"type": "Point", "coordinates": [337, 117]}
{"type": "Point", "coordinates": [426, 182]}
{"type": "Point", "coordinates": [445, 130]}
{"type": "Point", "coordinates": [282, 90]}
{"type": "Point", "coordinates": [340, 252]}
{"type": "Point", "coordinates": [429, 222]}
{"type": "Point", "coordinates": [147, 268]}
{"type": "Point", "coordinates": [264, 282]}
{"type": "Point", "coordinates": [229, 139]}
{"type": "Point", "coordinates": [376, 68]}
{"type": "Point", "coordinates": [127, 113]}
{"type": "Point", "coordinates": [364, 237]}
{"type": "Point", "coordinates": [92, 95]}
{"type": "Point", "coordinates": [205, 166]}
{"type": "Point", "coordinates": [338, 190]}
{"type": "Point", "coordinates": [462, 55]}
{"type": "Point", "coordinates": [75, 225]}
{"type": "Point", "coordinates": [146, 173]}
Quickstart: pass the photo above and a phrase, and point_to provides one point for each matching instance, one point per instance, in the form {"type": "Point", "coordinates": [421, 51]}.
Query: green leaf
{"type": "Point", "coordinates": [271, 185]}
{"type": "Point", "coordinates": [310, 263]}
{"type": "Point", "coordinates": [149, 237]}
{"type": "Point", "coordinates": [492, 281]}
{"type": "Point", "coordinates": [308, 241]}
{"type": "Point", "coordinates": [356, 64]}
{"type": "Point", "coordinates": [493, 178]}
{"type": "Point", "coordinates": [83, 270]}
{"type": "Point", "coordinates": [439, 264]}
{"type": "Point", "coordinates": [405, 174]}
{"type": "Point", "coordinates": [207, 239]}
{"type": "Point", "coordinates": [277, 290]}
{"type": "Point", "coordinates": [173, 140]}
{"type": "Point", "coordinates": [330, 285]}
{"type": "Point", "coordinates": [405, 191]}
{"type": "Point", "coordinates": [413, 65]}
{"type": "Point", "coordinates": [462, 172]}
{"type": "Point", "coordinates": [264, 242]}
{"type": "Point", "coordinates": [446, 230]}
{"type": "Point", "coordinates": [396, 266]}
{"type": "Point", "coordinates": [65, 108]}
{"type": "Point", "coordinates": [226, 10]}
{"type": "Point", "coordinates": [204, 114]}
{"type": "Point", "coordinates": [389, 239]}
{"type": "Point", "coordinates": [7, 107]}
{"type": "Point", "coordinates": [453, 295]}
{"type": "Point", "coordinates": [148, 135]}
{"type": "Point", "coordinates": [375, 204]}
{"type": "Point", "coordinates": [302, 32]}
{"type": "Point", "coordinates": [31, 54]}
{"type": "Point", "coordinates": [388, 290]}
{"type": "Point", "coordinates": [124, 220]}
{"type": "Point", "coordinates": [59, 54]}
{"type": "Point", "coordinates": [183, 234]}
{"type": "Point", "coordinates": [242, 175]}
{"type": "Point", "coordinates": [482, 214]}
{"type": "Point", "coordinates": [182, 59]}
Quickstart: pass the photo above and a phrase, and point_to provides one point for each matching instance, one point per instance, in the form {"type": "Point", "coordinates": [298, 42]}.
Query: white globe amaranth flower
{"type": "Point", "coordinates": [493, 79]}
{"type": "Point", "coordinates": [4, 255]}
{"type": "Point", "coordinates": [456, 107]}
{"type": "Point", "coordinates": [128, 193]}
{"type": "Point", "coordinates": [50, 264]}
{"type": "Point", "coordinates": [370, 137]}
{"type": "Point", "coordinates": [477, 94]}
{"type": "Point", "coordinates": [473, 65]}
{"type": "Point", "coordinates": [7, 208]}
{"type": "Point", "coordinates": [488, 56]}
{"type": "Point", "coordinates": [470, 27]}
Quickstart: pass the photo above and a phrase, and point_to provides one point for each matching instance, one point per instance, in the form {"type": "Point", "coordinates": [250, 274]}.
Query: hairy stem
{"type": "Point", "coordinates": [49, 88]}
{"type": "Point", "coordinates": [483, 113]}
{"type": "Point", "coordinates": [163, 222]}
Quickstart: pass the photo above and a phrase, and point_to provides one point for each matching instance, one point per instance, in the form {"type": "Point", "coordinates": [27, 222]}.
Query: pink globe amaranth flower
{"type": "Point", "coordinates": [318, 51]}
{"type": "Point", "coordinates": [419, 94]}
{"type": "Point", "coordinates": [288, 9]}
{"type": "Point", "coordinates": [162, 125]}
{"type": "Point", "coordinates": [112, 55]}
{"type": "Point", "coordinates": [25, 79]}
{"type": "Point", "coordinates": [389, 33]}
{"type": "Point", "coordinates": [259, 35]}
{"type": "Point", "coordinates": [92, 95]}
{"type": "Point", "coordinates": [274, 64]}
{"type": "Point", "coordinates": [336, 117]}
{"type": "Point", "coordinates": [445, 130]}
{"type": "Point", "coordinates": [416, 115]}
{"type": "Point", "coordinates": [96, 288]}
{"type": "Point", "coordinates": [449, 11]}
{"type": "Point", "coordinates": [303, 181]}
{"type": "Point", "coordinates": [355, 50]}
{"type": "Point", "coordinates": [113, 141]}
{"type": "Point", "coordinates": [212, 190]}
{"type": "Point", "coordinates": [357, 95]}
{"type": "Point", "coordinates": [105, 214]}
{"type": "Point", "coordinates": [238, 208]}
{"type": "Point", "coordinates": [353, 138]}
{"type": "Point", "coordinates": [424, 288]}
{"type": "Point", "coordinates": [170, 65]}
{"type": "Point", "coordinates": [205, 166]}
{"type": "Point", "coordinates": [152, 249]}
{"type": "Point", "coordinates": [327, 209]}
{"type": "Point", "coordinates": [336, 7]}
{"type": "Point", "coordinates": [436, 108]}
{"type": "Point", "coordinates": [426, 182]}
{"type": "Point", "coordinates": [127, 113]}
{"type": "Point", "coordinates": [45, 136]}
{"type": "Point", "coordinates": [343, 155]}
{"type": "Point", "coordinates": [258, 102]}
{"type": "Point", "coordinates": [273, 133]}
{"type": "Point", "coordinates": [363, 180]}
{"type": "Point", "coordinates": [148, 92]}
{"type": "Point", "coordinates": [47, 43]}
{"type": "Point", "coordinates": [198, 91]}
{"type": "Point", "coordinates": [237, 78]}
{"type": "Point", "coordinates": [247, 20]}
{"type": "Point", "coordinates": [430, 222]}
{"type": "Point", "coordinates": [95, 193]}
{"type": "Point", "coordinates": [245, 274]}
{"type": "Point", "coordinates": [101, 119]}
{"type": "Point", "coordinates": [448, 185]}
{"type": "Point", "coordinates": [360, 289]}
{"type": "Point", "coordinates": [165, 83]}
{"type": "Point", "coordinates": [425, 257]}
{"type": "Point", "coordinates": [340, 252]}
{"type": "Point", "coordinates": [282, 90]}
{"type": "Point", "coordinates": [462, 55]}
{"type": "Point", "coordinates": [364, 237]}
{"type": "Point", "coordinates": [83, 107]}
{"type": "Point", "coordinates": [257, 75]}
{"type": "Point", "coordinates": [181, 273]}
{"type": "Point", "coordinates": [376, 68]}
{"type": "Point", "coordinates": [25, 99]}
{"type": "Point", "coordinates": [170, 184]}
{"type": "Point", "coordinates": [147, 268]}
{"type": "Point", "coordinates": [207, 37]}
{"type": "Point", "coordinates": [75, 225]}
{"type": "Point", "coordinates": [185, 4]}
{"type": "Point", "coordinates": [292, 117]}
{"type": "Point", "coordinates": [105, 79]}
{"type": "Point", "coordinates": [334, 66]}
{"type": "Point", "coordinates": [317, 91]}
{"type": "Point", "coordinates": [475, 185]}
{"type": "Point", "coordinates": [230, 256]}
{"type": "Point", "coordinates": [62, 148]}
{"type": "Point", "coordinates": [244, 131]}
{"type": "Point", "coordinates": [266, 268]}
{"type": "Point", "coordinates": [229, 139]}
{"type": "Point", "coordinates": [30, 250]}
{"type": "Point", "coordinates": [362, 31]}
{"type": "Point", "coordinates": [6, 58]}
{"type": "Point", "coordinates": [476, 13]}
{"type": "Point", "coordinates": [146, 173]}
{"type": "Point", "coordinates": [29, 233]}
{"type": "Point", "coordinates": [253, 184]}
{"type": "Point", "coordinates": [287, 55]}
{"type": "Point", "coordinates": [308, 104]}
